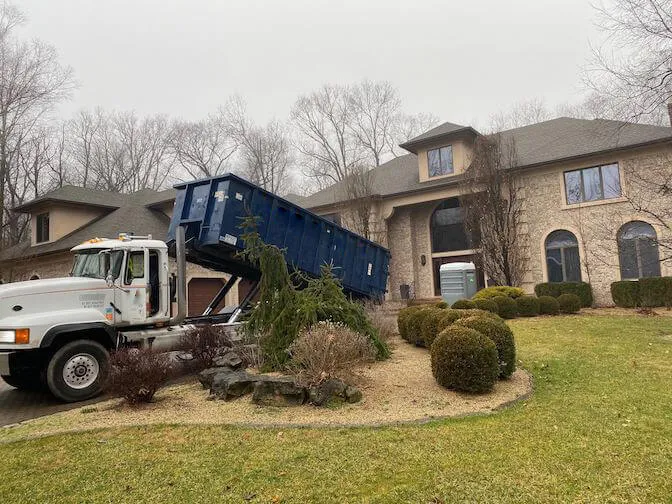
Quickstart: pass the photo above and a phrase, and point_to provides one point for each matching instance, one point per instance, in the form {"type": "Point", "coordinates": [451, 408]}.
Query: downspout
{"type": "Point", "coordinates": [181, 280]}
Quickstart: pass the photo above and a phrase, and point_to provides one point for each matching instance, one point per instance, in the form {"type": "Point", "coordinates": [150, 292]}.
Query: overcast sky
{"type": "Point", "coordinates": [459, 60]}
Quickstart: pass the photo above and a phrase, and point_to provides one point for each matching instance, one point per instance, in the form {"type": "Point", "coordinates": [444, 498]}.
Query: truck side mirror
{"type": "Point", "coordinates": [109, 279]}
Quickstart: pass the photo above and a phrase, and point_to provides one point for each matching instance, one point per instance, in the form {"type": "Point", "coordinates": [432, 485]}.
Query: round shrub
{"type": "Point", "coordinates": [626, 293]}
{"type": "Point", "coordinates": [465, 360]}
{"type": "Point", "coordinates": [548, 305]}
{"type": "Point", "coordinates": [486, 304]}
{"type": "Point", "coordinates": [506, 307]}
{"type": "Point", "coordinates": [441, 304]}
{"type": "Point", "coordinates": [428, 326]}
{"type": "Point", "coordinates": [501, 335]}
{"type": "Point", "coordinates": [444, 320]}
{"type": "Point", "coordinates": [527, 306]}
{"type": "Point", "coordinates": [479, 313]}
{"type": "Point", "coordinates": [569, 303]}
{"type": "Point", "coordinates": [463, 304]}
{"type": "Point", "coordinates": [402, 319]}
{"type": "Point", "coordinates": [414, 326]}
{"type": "Point", "coordinates": [499, 290]}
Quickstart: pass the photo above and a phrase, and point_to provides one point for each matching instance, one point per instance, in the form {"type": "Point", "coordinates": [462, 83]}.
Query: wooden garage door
{"type": "Point", "coordinates": [201, 292]}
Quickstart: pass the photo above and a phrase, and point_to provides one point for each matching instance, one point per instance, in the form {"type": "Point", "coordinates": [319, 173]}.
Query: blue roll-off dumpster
{"type": "Point", "coordinates": [211, 211]}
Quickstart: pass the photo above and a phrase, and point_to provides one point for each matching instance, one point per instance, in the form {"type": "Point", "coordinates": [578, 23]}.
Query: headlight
{"type": "Point", "coordinates": [16, 336]}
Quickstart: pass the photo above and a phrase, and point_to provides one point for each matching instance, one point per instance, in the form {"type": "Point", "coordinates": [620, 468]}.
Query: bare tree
{"type": "Point", "coordinates": [358, 192]}
{"type": "Point", "coordinates": [407, 126]}
{"type": "Point", "coordinates": [31, 82]}
{"type": "Point", "coordinates": [632, 69]}
{"type": "Point", "coordinates": [266, 154]}
{"type": "Point", "coordinates": [202, 148]}
{"type": "Point", "coordinates": [374, 111]}
{"type": "Point", "coordinates": [493, 208]}
{"type": "Point", "coordinates": [323, 121]}
{"type": "Point", "coordinates": [521, 114]}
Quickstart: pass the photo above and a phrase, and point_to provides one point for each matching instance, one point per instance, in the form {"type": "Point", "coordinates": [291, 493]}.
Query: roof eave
{"type": "Point", "coordinates": [415, 145]}
{"type": "Point", "coordinates": [26, 207]}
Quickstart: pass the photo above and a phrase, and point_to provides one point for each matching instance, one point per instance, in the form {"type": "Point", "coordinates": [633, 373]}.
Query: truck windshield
{"type": "Point", "coordinates": [97, 263]}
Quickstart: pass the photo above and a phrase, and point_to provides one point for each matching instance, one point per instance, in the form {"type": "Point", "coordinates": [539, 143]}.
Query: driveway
{"type": "Point", "coordinates": [19, 405]}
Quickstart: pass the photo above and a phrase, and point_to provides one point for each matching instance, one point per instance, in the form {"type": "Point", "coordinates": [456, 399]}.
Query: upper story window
{"type": "Point", "coordinates": [440, 161]}
{"type": "Point", "coordinates": [592, 184]}
{"type": "Point", "coordinates": [42, 228]}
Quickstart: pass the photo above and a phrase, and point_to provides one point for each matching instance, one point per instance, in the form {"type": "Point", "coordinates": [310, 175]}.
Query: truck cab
{"type": "Point", "coordinates": [59, 332]}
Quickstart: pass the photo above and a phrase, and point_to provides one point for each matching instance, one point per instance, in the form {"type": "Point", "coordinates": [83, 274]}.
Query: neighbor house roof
{"type": "Point", "coordinates": [538, 144]}
{"type": "Point", "coordinates": [131, 213]}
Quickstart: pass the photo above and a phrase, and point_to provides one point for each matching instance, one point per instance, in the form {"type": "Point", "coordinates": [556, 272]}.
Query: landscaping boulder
{"type": "Point", "coordinates": [328, 390]}
{"type": "Point", "coordinates": [229, 359]}
{"type": "Point", "coordinates": [208, 375]}
{"type": "Point", "coordinates": [229, 384]}
{"type": "Point", "coordinates": [278, 391]}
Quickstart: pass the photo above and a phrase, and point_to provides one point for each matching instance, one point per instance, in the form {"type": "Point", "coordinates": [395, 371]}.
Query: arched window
{"type": "Point", "coordinates": [35, 277]}
{"type": "Point", "coordinates": [447, 228]}
{"type": "Point", "coordinates": [638, 250]}
{"type": "Point", "coordinates": [562, 257]}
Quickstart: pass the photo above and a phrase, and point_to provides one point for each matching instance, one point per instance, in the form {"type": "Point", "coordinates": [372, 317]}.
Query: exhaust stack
{"type": "Point", "coordinates": [181, 281]}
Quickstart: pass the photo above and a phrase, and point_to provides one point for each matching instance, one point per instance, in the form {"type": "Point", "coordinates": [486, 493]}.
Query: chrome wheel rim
{"type": "Point", "coordinates": [81, 371]}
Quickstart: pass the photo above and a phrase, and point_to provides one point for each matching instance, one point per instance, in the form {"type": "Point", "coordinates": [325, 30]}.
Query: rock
{"type": "Point", "coordinates": [278, 391]}
{"type": "Point", "coordinates": [327, 391]}
{"type": "Point", "coordinates": [353, 394]}
{"type": "Point", "coordinates": [231, 384]}
{"type": "Point", "coordinates": [229, 359]}
{"type": "Point", "coordinates": [208, 375]}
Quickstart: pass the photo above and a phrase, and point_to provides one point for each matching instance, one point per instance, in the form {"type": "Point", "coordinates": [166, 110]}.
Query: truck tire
{"type": "Point", "coordinates": [77, 370]}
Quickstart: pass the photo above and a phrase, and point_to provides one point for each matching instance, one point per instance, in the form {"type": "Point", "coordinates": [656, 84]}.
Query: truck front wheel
{"type": "Point", "coordinates": [77, 370]}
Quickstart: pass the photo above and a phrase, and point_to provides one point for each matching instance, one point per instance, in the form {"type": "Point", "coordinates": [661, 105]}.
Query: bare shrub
{"type": "Point", "coordinates": [205, 343]}
{"type": "Point", "coordinates": [383, 322]}
{"type": "Point", "coordinates": [136, 374]}
{"type": "Point", "coordinates": [251, 355]}
{"type": "Point", "coordinates": [329, 350]}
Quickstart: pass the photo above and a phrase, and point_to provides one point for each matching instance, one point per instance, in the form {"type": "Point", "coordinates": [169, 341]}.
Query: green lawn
{"type": "Point", "coordinates": [597, 429]}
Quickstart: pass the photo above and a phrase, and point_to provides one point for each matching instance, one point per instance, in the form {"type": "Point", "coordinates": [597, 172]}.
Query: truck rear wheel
{"type": "Point", "coordinates": [77, 370]}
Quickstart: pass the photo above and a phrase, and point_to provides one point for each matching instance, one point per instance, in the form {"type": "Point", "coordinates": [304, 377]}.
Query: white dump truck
{"type": "Point", "coordinates": [59, 332]}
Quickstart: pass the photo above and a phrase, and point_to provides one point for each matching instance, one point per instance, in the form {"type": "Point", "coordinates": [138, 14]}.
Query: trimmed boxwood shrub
{"type": "Point", "coordinates": [501, 335]}
{"type": "Point", "coordinates": [506, 307]}
{"type": "Point", "coordinates": [499, 290]}
{"type": "Point", "coordinates": [625, 293]}
{"type": "Point", "coordinates": [463, 304]}
{"type": "Point", "coordinates": [528, 306]}
{"type": "Point", "coordinates": [653, 292]}
{"type": "Point", "coordinates": [569, 303]}
{"type": "Point", "coordinates": [445, 319]}
{"type": "Point", "coordinates": [548, 305]}
{"type": "Point", "coordinates": [428, 326]}
{"type": "Point", "coordinates": [479, 313]}
{"type": "Point", "coordinates": [441, 304]}
{"type": "Point", "coordinates": [556, 289]}
{"type": "Point", "coordinates": [414, 326]}
{"type": "Point", "coordinates": [486, 304]}
{"type": "Point", "coordinates": [465, 360]}
{"type": "Point", "coordinates": [402, 319]}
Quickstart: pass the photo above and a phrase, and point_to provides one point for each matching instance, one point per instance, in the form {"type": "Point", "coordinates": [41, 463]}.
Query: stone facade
{"type": "Point", "coordinates": [595, 225]}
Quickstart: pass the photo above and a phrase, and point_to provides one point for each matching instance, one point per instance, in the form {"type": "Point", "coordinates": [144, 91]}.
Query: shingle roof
{"type": "Point", "coordinates": [441, 130]}
{"type": "Point", "coordinates": [136, 219]}
{"type": "Point", "coordinates": [549, 141]}
{"type": "Point", "coordinates": [128, 213]}
{"type": "Point", "coordinates": [74, 194]}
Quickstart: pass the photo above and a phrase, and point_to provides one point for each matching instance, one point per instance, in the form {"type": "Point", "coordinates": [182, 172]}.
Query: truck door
{"type": "Point", "coordinates": [132, 297]}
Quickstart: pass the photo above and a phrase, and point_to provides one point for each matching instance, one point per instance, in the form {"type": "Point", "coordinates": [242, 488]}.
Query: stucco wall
{"type": "Point", "coordinates": [63, 219]}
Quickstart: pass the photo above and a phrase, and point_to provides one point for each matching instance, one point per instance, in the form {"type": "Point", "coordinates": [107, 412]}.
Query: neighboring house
{"type": "Point", "coordinates": [577, 223]}
{"type": "Point", "coordinates": [68, 216]}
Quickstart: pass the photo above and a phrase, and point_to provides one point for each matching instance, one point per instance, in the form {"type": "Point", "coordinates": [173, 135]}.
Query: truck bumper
{"type": "Point", "coordinates": [4, 363]}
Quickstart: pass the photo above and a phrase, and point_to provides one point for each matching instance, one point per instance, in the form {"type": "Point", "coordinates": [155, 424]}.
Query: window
{"type": "Point", "coordinates": [42, 225]}
{"type": "Point", "coordinates": [440, 161]}
{"type": "Point", "coordinates": [447, 228]}
{"type": "Point", "coordinates": [592, 184]}
{"type": "Point", "coordinates": [136, 266]}
{"type": "Point", "coordinates": [638, 251]}
{"type": "Point", "coordinates": [562, 257]}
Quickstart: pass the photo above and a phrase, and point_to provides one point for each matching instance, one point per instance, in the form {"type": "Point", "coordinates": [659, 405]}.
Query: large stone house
{"type": "Point", "coordinates": [577, 221]}
{"type": "Point", "coordinates": [66, 217]}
